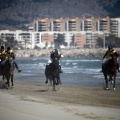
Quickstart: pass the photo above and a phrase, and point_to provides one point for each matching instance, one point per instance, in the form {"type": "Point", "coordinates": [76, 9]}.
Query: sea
{"type": "Point", "coordinates": [76, 71]}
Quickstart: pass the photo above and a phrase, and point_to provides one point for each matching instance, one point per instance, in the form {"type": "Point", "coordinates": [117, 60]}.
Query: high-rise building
{"type": "Point", "coordinates": [82, 32]}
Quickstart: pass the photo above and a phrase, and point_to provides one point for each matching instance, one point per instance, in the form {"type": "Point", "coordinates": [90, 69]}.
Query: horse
{"type": "Point", "coordinates": [110, 69]}
{"type": "Point", "coordinates": [8, 71]}
{"type": "Point", "coordinates": [52, 72]}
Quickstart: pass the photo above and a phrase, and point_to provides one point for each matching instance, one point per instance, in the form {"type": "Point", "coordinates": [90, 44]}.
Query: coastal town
{"type": "Point", "coordinates": [64, 33]}
{"type": "Point", "coordinates": [60, 60]}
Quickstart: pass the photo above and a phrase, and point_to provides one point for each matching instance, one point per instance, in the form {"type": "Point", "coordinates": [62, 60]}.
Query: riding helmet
{"type": "Point", "coordinates": [2, 47]}
{"type": "Point", "coordinates": [8, 48]}
{"type": "Point", "coordinates": [56, 51]}
{"type": "Point", "coordinates": [110, 47]}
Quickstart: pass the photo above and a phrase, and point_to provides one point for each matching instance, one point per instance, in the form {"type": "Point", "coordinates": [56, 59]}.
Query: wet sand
{"type": "Point", "coordinates": [37, 101]}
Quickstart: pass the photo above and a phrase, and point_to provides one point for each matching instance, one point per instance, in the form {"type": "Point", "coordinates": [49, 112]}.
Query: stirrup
{"type": "Point", "coordinates": [19, 70]}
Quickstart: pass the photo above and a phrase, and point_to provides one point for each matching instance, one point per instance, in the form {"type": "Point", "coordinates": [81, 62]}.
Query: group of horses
{"type": "Point", "coordinates": [109, 69]}
{"type": "Point", "coordinates": [7, 72]}
{"type": "Point", "coordinates": [52, 72]}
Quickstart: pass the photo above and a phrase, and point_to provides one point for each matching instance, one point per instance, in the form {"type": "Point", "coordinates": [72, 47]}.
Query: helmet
{"type": "Point", "coordinates": [56, 51]}
{"type": "Point", "coordinates": [110, 47]}
{"type": "Point", "coordinates": [2, 47]}
{"type": "Point", "coordinates": [8, 48]}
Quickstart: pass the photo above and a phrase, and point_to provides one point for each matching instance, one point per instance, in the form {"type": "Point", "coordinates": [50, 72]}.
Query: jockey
{"type": "Point", "coordinates": [2, 54]}
{"type": "Point", "coordinates": [10, 53]}
{"type": "Point", "coordinates": [108, 55]}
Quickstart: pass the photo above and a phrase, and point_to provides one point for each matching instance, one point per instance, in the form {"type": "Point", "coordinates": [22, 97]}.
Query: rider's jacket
{"type": "Point", "coordinates": [53, 55]}
{"type": "Point", "coordinates": [109, 54]}
{"type": "Point", "coordinates": [2, 55]}
{"type": "Point", "coordinates": [9, 54]}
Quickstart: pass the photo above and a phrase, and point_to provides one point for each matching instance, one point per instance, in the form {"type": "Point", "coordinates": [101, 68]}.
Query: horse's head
{"type": "Point", "coordinates": [56, 62]}
{"type": "Point", "coordinates": [10, 60]}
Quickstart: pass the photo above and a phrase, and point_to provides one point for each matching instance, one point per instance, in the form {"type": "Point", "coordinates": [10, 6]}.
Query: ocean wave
{"type": "Point", "coordinates": [83, 60]}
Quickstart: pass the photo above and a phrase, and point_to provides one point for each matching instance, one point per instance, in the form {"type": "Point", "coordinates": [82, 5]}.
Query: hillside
{"type": "Point", "coordinates": [18, 14]}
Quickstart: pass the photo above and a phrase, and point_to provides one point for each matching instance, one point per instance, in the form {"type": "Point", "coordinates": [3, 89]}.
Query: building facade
{"type": "Point", "coordinates": [82, 32]}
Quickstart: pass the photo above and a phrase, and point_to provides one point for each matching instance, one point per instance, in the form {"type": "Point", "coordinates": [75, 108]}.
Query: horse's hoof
{"type": "Point", "coordinates": [114, 89]}
{"type": "Point", "coordinates": [57, 83]}
{"type": "Point", "coordinates": [60, 83]}
{"type": "Point", "coordinates": [7, 87]}
{"type": "Point", "coordinates": [46, 82]}
{"type": "Point", "coordinates": [53, 89]}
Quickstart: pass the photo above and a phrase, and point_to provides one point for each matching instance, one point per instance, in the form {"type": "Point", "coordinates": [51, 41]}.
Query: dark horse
{"type": "Point", "coordinates": [110, 69]}
{"type": "Point", "coordinates": [8, 71]}
{"type": "Point", "coordinates": [52, 72]}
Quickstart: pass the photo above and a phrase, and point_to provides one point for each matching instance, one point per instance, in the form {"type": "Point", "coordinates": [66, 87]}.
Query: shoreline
{"type": "Point", "coordinates": [66, 52]}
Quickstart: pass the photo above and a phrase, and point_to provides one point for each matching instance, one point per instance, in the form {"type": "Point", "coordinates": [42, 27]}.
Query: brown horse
{"type": "Point", "coordinates": [8, 71]}
{"type": "Point", "coordinates": [52, 72]}
{"type": "Point", "coordinates": [110, 69]}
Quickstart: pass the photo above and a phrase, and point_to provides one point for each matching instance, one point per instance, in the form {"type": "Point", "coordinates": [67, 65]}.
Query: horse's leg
{"type": "Point", "coordinates": [46, 80]}
{"type": "Point", "coordinates": [50, 81]}
{"type": "Point", "coordinates": [106, 80]}
{"type": "Point", "coordinates": [53, 88]}
{"type": "Point", "coordinates": [59, 80]}
{"type": "Point", "coordinates": [3, 77]}
{"type": "Point", "coordinates": [12, 79]}
{"type": "Point", "coordinates": [46, 74]}
{"type": "Point", "coordinates": [110, 78]}
{"type": "Point", "coordinates": [114, 81]}
{"type": "Point", "coordinates": [7, 83]}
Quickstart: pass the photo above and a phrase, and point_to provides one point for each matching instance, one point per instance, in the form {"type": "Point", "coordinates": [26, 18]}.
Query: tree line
{"type": "Point", "coordinates": [9, 41]}
{"type": "Point", "coordinates": [110, 40]}
{"type": "Point", "coordinates": [60, 40]}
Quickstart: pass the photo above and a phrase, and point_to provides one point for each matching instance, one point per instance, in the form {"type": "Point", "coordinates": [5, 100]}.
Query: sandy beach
{"type": "Point", "coordinates": [37, 101]}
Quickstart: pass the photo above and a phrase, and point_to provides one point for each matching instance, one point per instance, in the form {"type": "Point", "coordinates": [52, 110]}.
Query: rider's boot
{"type": "Point", "coordinates": [18, 70]}
{"type": "Point", "coordinates": [17, 67]}
{"type": "Point", "coordinates": [46, 81]}
{"type": "Point", "coordinates": [118, 67]}
{"type": "Point", "coordinates": [60, 69]}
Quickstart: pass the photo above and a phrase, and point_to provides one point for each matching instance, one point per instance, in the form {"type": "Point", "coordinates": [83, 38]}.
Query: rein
{"type": "Point", "coordinates": [56, 62]}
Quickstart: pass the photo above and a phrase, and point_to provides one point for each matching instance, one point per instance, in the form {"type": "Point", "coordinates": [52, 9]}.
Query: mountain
{"type": "Point", "coordinates": [18, 14]}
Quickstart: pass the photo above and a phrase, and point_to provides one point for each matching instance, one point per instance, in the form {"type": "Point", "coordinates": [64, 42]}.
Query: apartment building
{"type": "Point", "coordinates": [80, 39]}
{"type": "Point", "coordinates": [115, 26]}
{"type": "Point", "coordinates": [25, 39]}
{"type": "Point", "coordinates": [29, 39]}
{"type": "Point", "coordinates": [42, 25]}
{"type": "Point", "coordinates": [91, 26]}
{"type": "Point", "coordinates": [79, 24]}
{"type": "Point", "coordinates": [83, 31]}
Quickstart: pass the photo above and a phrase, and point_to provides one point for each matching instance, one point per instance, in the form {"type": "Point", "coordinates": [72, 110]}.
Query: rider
{"type": "Point", "coordinates": [10, 53]}
{"type": "Point", "coordinates": [2, 53]}
{"type": "Point", "coordinates": [108, 55]}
